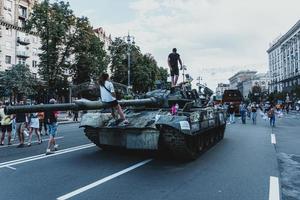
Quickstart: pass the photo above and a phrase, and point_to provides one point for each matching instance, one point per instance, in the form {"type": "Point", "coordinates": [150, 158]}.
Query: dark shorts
{"type": "Point", "coordinates": [7, 128]}
{"type": "Point", "coordinates": [112, 103]}
{"type": "Point", "coordinates": [174, 71]}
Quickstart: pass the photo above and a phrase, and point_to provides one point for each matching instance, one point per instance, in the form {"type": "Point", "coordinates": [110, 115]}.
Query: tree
{"type": "Point", "coordinates": [54, 23]}
{"type": "Point", "coordinates": [255, 94]}
{"type": "Point", "coordinates": [19, 82]}
{"type": "Point", "coordinates": [143, 68]}
{"type": "Point", "coordinates": [90, 58]}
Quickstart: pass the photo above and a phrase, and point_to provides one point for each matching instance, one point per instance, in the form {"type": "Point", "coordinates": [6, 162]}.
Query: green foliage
{"type": "Point", "coordinates": [68, 45]}
{"type": "Point", "coordinates": [54, 24]}
{"type": "Point", "coordinates": [18, 81]}
{"type": "Point", "coordinates": [143, 68]}
{"type": "Point", "coordinates": [90, 56]}
{"type": "Point", "coordinates": [255, 95]}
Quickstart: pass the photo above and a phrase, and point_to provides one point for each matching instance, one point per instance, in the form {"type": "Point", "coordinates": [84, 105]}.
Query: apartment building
{"type": "Point", "coordinates": [104, 37]}
{"type": "Point", "coordinates": [16, 45]}
{"type": "Point", "coordinates": [240, 77]}
{"type": "Point", "coordinates": [284, 61]}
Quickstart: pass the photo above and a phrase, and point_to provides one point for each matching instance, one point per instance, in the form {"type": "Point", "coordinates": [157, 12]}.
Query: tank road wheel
{"type": "Point", "coordinates": [182, 147]}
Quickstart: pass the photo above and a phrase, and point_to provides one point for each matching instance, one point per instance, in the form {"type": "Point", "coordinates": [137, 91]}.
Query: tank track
{"type": "Point", "coordinates": [186, 147]}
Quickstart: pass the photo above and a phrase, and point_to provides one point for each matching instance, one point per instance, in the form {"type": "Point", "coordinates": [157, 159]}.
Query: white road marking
{"type": "Point", "coordinates": [101, 181]}
{"type": "Point", "coordinates": [9, 167]}
{"type": "Point", "coordinates": [35, 141]}
{"type": "Point", "coordinates": [41, 156]}
{"type": "Point", "coordinates": [274, 188]}
{"type": "Point", "coordinates": [273, 139]}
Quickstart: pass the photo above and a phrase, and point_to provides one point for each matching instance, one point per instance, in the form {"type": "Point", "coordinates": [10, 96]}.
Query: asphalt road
{"type": "Point", "coordinates": [288, 152]}
{"type": "Point", "coordinates": [239, 167]}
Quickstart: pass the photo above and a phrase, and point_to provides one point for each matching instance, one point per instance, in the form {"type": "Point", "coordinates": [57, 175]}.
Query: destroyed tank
{"type": "Point", "coordinates": [184, 134]}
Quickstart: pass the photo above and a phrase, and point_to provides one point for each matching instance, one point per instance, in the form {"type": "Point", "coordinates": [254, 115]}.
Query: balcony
{"type": "Point", "coordinates": [23, 40]}
{"type": "Point", "coordinates": [23, 54]}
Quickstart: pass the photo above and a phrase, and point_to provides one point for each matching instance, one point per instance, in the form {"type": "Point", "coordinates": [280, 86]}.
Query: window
{"type": "Point", "coordinates": [34, 63]}
{"type": "Point", "coordinates": [8, 31]}
{"type": "Point", "coordinates": [8, 59]}
{"type": "Point", "coordinates": [22, 11]}
{"type": "Point", "coordinates": [22, 61]}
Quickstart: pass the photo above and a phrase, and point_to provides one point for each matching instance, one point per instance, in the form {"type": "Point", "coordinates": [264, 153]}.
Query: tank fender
{"type": "Point", "coordinates": [177, 122]}
{"type": "Point", "coordinates": [94, 120]}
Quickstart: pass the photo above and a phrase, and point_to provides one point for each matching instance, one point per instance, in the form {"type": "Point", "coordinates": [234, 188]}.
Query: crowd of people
{"type": "Point", "coordinates": [21, 124]}
{"type": "Point", "coordinates": [251, 111]}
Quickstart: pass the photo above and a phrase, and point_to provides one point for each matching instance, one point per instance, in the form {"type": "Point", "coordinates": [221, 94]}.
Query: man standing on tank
{"type": "Point", "coordinates": [173, 60]}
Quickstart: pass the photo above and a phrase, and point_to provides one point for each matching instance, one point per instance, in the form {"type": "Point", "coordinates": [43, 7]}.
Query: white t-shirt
{"type": "Point", "coordinates": [105, 95]}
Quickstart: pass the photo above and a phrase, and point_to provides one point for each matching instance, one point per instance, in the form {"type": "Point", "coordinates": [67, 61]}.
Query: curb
{"type": "Point", "coordinates": [67, 122]}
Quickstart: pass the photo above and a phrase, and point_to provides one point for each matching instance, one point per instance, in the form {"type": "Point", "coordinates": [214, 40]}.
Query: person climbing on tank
{"type": "Point", "coordinates": [108, 95]}
{"type": "Point", "coordinates": [173, 60]}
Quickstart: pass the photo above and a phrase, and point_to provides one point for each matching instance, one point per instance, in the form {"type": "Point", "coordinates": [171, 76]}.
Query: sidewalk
{"type": "Point", "coordinates": [63, 118]}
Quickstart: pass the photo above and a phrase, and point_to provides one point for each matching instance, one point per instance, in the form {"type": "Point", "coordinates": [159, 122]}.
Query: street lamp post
{"type": "Point", "coordinates": [129, 39]}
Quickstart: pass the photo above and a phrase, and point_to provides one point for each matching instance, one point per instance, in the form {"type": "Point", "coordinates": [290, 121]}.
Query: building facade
{"type": "Point", "coordinates": [240, 77]}
{"type": "Point", "coordinates": [284, 61]}
{"type": "Point", "coordinates": [105, 38]}
{"type": "Point", "coordinates": [16, 45]}
{"type": "Point", "coordinates": [260, 79]}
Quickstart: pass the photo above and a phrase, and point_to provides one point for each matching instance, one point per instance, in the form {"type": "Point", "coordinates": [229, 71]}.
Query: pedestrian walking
{"type": "Point", "coordinates": [51, 120]}
{"type": "Point", "coordinates": [173, 60]}
{"type": "Point", "coordinates": [108, 96]}
{"type": "Point", "coordinates": [42, 123]}
{"type": "Point", "coordinates": [271, 115]}
{"type": "Point", "coordinates": [231, 111]}
{"type": "Point", "coordinates": [253, 113]}
{"type": "Point", "coordinates": [34, 125]}
{"type": "Point", "coordinates": [75, 118]}
{"type": "Point", "coordinates": [6, 125]}
{"type": "Point", "coordinates": [21, 120]}
{"type": "Point", "coordinates": [243, 111]}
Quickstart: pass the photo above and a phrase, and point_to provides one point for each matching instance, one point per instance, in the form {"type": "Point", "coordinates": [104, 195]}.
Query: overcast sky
{"type": "Point", "coordinates": [215, 38]}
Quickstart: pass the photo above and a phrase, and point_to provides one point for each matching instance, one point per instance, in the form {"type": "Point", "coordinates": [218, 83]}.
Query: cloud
{"type": "Point", "coordinates": [215, 38]}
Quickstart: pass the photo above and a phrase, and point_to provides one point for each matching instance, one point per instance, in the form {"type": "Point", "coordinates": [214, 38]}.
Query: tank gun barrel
{"type": "Point", "coordinates": [78, 105]}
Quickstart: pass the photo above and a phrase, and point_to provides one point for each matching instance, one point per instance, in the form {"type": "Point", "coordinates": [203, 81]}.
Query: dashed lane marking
{"type": "Point", "coordinates": [273, 139]}
{"type": "Point", "coordinates": [35, 141]}
{"type": "Point", "coordinates": [42, 156]}
{"type": "Point", "coordinates": [101, 181]}
{"type": "Point", "coordinates": [274, 188]}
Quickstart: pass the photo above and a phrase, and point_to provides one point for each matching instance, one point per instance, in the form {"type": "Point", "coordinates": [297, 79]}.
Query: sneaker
{"type": "Point", "coordinates": [48, 152]}
{"type": "Point", "coordinates": [40, 142]}
{"type": "Point", "coordinates": [29, 144]}
{"type": "Point", "coordinates": [9, 144]}
{"type": "Point", "coordinates": [1, 144]}
{"type": "Point", "coordinates": [125, 122]}
{"type": "Point", "coordinates": [55, 147]}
